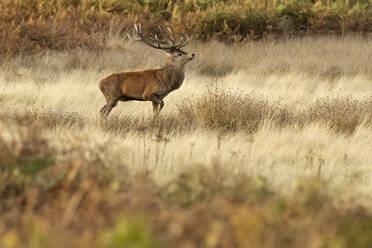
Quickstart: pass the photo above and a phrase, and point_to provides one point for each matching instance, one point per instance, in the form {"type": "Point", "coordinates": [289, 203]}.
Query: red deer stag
{"type": "Point", "coordinates": [149, 85]}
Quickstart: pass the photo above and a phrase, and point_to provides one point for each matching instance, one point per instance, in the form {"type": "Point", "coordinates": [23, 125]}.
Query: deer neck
{"type": "Point", "coordinates": [174, 76]}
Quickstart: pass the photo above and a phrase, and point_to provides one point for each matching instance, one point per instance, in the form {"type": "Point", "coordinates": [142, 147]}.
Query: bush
{"type": "Point", "coordinates": [31, 26]}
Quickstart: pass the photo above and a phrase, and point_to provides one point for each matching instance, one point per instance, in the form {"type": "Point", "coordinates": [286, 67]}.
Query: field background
{"type": "Point", "coordinates": [266, 144]}
{"type": "Point", "coordinates": [29, 26]}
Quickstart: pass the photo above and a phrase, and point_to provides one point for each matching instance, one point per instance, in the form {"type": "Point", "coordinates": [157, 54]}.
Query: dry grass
{"type": "Point", "coordinates": [86, 200]}
{"type": "Point", "coordinates": [260, 136]}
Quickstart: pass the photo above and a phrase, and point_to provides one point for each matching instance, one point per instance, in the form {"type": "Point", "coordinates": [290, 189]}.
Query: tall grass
{"type": "Point", "coordinates": [260, 136]}
{"type": "Point", "coordinates": [96, 205]}
{"type": "Point", "coordinates": [239, 116]}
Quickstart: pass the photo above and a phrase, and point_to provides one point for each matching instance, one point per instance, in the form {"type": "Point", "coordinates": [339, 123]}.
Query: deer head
{"type": "Point", "coordinates": [176, 56]}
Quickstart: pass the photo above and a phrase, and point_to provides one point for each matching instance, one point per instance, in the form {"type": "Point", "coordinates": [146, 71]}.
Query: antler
{"type": "Point", "coordinates": [171, 41]}
{"type": "Point", "coordinates": [184, 42]}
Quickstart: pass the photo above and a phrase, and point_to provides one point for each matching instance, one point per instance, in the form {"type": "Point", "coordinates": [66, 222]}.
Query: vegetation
{"type": "Point", "coordinates": [83, 202]}
{"type": "Point", "coordinates": [283, 161]}
{"type": "Point", "coordinates": [266, 144]}
{"type": "Point", "coordinates": [34, 25]}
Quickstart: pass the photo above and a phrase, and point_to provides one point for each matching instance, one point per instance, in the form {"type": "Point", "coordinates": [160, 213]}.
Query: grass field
{"type": "Point", "coordinates": [261, 135]}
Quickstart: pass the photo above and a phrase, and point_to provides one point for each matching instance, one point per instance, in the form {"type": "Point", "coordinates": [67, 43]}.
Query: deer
{"type": "Point", "coordinates": [148, 85]}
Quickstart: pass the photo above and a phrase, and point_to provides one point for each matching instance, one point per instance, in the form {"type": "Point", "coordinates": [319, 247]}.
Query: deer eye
{"type": "Point", "coordinates": [179, 54]}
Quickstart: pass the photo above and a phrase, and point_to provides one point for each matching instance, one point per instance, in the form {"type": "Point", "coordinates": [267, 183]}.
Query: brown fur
{"type": "Point", "coordinates": [150, 85]}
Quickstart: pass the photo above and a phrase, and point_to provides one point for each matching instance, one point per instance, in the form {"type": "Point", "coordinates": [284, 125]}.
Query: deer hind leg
{"type": "Point", "coordinates": [111, 106]}
{"type": "Point", "coordinates": [111, 91]}
{"type": "Point", "coordinates": [105, 111]}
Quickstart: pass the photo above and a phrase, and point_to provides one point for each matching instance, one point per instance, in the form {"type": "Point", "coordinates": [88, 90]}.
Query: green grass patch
{"type": "Point", "coordinates": [34, 166]}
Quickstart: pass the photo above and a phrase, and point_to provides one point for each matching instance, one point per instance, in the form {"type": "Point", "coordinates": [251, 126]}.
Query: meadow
{"type": "Point", "coordinates": [266, 144]}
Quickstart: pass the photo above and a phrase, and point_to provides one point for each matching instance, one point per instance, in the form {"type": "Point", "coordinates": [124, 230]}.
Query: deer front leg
{"type": "Point", "coordinates": [157, 106]}
{"type": "Point", "coordinates": [157, 102]}
{"type": "Point", "coordinates": [161, 105]}
{"type": "Point", "coordinates": [103, 109]}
